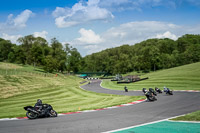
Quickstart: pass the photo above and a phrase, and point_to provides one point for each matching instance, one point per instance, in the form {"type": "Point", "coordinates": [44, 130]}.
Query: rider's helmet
{"type": "Point", "coordinates": [144, 90]}
{"type": "Point", "coordinates": [39, 101]}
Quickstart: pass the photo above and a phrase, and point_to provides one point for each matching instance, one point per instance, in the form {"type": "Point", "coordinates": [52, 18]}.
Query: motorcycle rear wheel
{"type": "Point", "coordinates": [31, 115]}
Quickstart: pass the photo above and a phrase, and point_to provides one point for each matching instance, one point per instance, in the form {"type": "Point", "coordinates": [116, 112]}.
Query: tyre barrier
{"type": "Point", "coordinates": [91, 78]}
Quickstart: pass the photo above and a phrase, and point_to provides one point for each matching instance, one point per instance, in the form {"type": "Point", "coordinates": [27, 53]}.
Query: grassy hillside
{"type": "Point", "coordinates": [21, 86]}
{"type": "Point", "coordinates": [185, 77]}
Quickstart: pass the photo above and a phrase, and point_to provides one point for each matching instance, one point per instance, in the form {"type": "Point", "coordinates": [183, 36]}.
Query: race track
{"type": "Point", "coordinates": [111, 119]}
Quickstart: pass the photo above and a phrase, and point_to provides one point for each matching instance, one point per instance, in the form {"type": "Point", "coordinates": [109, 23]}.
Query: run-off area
{"type": "Point", "coordinates": [163, 127]}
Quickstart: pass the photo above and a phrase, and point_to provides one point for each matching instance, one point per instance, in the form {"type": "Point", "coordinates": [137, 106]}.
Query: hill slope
{"type": "Point", "coordinates": [19, 88]}
{"type": "Point", "coordinates": [185, 77]}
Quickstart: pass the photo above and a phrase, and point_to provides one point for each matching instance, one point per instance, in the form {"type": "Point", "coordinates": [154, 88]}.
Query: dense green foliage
{"type": "Point", "coordinates": [149, 55]}
{"type": "Point", "coordinates": [37, 52]}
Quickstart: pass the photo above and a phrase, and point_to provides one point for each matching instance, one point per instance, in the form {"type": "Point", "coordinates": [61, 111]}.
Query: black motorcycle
{"type": "Point", "coordinates": [149, 95]}
{"type": "Point", "coordinates": [158, 90]}
{"type": "Point", "coordinates": [46, 111]}
{"type": "Point", "coordinates": [152, 91]}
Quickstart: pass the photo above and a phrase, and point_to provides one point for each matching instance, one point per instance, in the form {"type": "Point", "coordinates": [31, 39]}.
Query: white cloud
{"type": "Point", "coordinates": [134, 32]}
{"type": "Point", "coordinates": [16, 23]}
{"type": "Point", "coordinates": [167, 34]}
{"type": "Point", "coordinates": [93, 48]}
{"type": "Point", "coordinates": [42, 34]}
{"type": "Point", "coordinates": [91, 10]}
{"type": "Point", "coordinates": [88, 37]}
{"type": "Point", "coordinates": [80, 13]}
{"type": "Point", "coordinates": [12, 38]}
{"type": "Point", "coordinates": [21, 19]}
{"type": "Point", "coordinates": [61, 23]}
{"type": "Point", "coordinates": [131, 33]}
{"type": "Point", "coordinates": [59, 11]}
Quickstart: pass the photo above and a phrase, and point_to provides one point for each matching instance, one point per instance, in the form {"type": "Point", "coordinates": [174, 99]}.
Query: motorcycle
{"type": "Point", "coordinates": [46, 111]}
{"type": "Point", "coordinates": [149, 95]}
{"type": "Point", "coordinates": [158, 90]}
{"type": "Point", "coordinates": [169, 92]}
{"type": "Point", "coordinates": [152, 91]}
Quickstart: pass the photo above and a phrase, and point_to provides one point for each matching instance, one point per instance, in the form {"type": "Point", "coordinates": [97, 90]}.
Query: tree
{"type": "Point", "coordinates": [26, 43]}
{"type": "Point", "coordinates": [74, 60]}
{"type": "Point", "coordinates": [50, 64]}
{"type": "Point", "coordinates": [192, 53]}
{"type": "Point", "coordinates": [11, 57]}
{"type": "Point", "coordinates": [5, 48]}
{"type": "Point", "coordinates": [36, 54]}
{"type": "Point", "coordinates": [56, 47]}
{"type": "Point", "coordinates": [154, 55]}
{"type": "Point", "coordinates": [20, 55]}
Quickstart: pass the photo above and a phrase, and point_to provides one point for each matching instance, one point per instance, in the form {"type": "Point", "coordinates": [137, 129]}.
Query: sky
{"type": "Point", "coordinates": [95, 25]}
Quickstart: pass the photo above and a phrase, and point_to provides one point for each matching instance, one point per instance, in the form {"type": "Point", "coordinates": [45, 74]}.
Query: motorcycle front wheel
{"type": "Point", "coordinates": [53, 113]}
{"type": "Point", "coordinates": [31, 115]}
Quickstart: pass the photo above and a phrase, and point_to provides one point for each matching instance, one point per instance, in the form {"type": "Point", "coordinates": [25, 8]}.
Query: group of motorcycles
{"type": "Point", "coordinates": [151, 93]}
{"type": "Point", "coordinates": [47, 110]}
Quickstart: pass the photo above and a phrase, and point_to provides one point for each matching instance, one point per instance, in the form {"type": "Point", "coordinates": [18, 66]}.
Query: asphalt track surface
{"type": "Point", "coordinates": [106, 120]}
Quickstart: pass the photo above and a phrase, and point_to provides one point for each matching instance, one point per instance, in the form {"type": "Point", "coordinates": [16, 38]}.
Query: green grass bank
{"type": "Point", "coordinates": [22, 85]}
{"type": "Point", "coordinates": [185, 77]}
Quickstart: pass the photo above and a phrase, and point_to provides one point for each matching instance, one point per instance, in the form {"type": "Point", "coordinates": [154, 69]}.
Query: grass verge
{"type": "Point", "coordinates": [195, 116]}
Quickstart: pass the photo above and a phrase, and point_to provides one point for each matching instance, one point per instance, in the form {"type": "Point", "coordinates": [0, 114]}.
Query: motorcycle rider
{"type": "Point", "coordinates": [166, 89]}
{"type": "Point", "coordinates": [126, 89]}
{"type": "Point", "coordinates": [156, 88]}
{"type": "Point", "coordinates": [144, 90]}
{"type": "Point", "coordinates": [39, 106]}
{"type": "Point", "coordinates": [152, 91]}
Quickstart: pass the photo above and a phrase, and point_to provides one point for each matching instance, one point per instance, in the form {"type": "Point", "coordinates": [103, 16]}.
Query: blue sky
{"type": "Point", "coordinates": [94, 25]}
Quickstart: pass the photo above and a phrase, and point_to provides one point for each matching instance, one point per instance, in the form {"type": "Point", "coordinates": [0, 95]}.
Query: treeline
{"type": "Point", "coordinates": [149, 55]}
{"type": "Point", "coordinates": [37, 52]}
